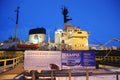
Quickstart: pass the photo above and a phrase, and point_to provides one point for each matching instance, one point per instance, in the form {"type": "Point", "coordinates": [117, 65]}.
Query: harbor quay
{"type": "Point", "coordinates": [17, 70]}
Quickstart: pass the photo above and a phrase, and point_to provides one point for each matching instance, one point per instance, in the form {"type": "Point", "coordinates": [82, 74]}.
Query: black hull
{"type": "Point", "coordinates": [108, 53]}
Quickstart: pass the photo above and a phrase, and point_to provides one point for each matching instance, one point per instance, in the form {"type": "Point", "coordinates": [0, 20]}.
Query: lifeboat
{"type": "Point", "coordinates": [28, 46]}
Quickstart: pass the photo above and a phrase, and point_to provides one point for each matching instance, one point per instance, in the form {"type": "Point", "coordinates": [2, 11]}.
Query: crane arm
{"type": "Point", "coordinates": [115, 39]}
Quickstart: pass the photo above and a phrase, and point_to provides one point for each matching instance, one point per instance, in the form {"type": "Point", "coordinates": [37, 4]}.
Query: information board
{"type": "Point", "coordinates": [78, 60]}
{"type": "Point", "coordinates": [42, 60]}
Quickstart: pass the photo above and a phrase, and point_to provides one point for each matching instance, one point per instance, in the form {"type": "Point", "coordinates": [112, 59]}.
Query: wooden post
{"type": "Point", "coordinates": [117, 77]}
{"type": "Point", "coordinates": [87, 74]}
{"type": "Point", "coordinates": [69, 72]}
{"type": "Point", "coordinates": [52, 77]}
{"type": "Point", "coordinates": [5, 65]}
{"type": "Point", "coordinates": [33, 75]}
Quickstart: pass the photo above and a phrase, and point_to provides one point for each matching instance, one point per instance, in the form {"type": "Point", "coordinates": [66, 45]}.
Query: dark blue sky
{"type": "Point", "coordinates": [99, 17]}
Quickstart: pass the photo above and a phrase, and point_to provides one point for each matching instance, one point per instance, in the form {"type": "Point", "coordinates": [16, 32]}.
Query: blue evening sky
{"type": "Point", "coordinates": [99, 17]}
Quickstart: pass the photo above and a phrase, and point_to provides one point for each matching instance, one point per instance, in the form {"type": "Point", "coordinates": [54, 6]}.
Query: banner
{"type": "Point", "coordinates": [42, 60]}
{"type": "Point", "coordinates": [78, 60]}
{"type": "Point", "coordinates": [47, 60]}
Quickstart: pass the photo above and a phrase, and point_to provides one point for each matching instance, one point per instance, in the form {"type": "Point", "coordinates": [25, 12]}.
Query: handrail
{"type": "Point", "coordinates": [15, 61]}
{"type": "Point", "coordinates": [108, 58]}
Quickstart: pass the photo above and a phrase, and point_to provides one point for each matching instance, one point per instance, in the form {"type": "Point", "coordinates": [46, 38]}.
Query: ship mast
{"type": "Point", "coordinates": [66, 17]}
{"type": "Point", "coordinates": [16, 27]}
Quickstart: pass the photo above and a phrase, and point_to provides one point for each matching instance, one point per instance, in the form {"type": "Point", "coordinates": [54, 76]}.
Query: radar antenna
{"type": "Point", "coordinates": [65, 12]}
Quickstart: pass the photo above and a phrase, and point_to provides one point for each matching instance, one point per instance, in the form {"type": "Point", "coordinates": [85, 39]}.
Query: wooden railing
{"type": "Point", "coordinates": [9, 63]}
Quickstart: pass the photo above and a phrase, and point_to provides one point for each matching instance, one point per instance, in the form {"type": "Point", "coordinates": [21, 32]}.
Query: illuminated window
{"type": "Point", "coordinates": [79, 32]}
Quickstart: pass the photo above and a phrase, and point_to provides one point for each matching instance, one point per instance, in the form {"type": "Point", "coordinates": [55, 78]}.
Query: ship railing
{"type": "Point", "coordinates": [7, 64]}
{"type": "Point", "coordinates": [108, 58]}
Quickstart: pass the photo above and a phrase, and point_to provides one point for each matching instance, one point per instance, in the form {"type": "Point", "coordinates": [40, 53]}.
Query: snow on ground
{"type": "Point", "coordinates": [98, 77]}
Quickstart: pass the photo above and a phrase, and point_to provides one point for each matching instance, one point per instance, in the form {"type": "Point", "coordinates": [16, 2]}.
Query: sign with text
{"type": "Point", "coordinates": [78, 60]}
{"type": "Point", "coordinates": [42, 60]}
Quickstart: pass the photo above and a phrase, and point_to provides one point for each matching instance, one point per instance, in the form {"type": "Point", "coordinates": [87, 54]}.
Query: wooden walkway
{"type": "Point", "coordinates": [11, 74]}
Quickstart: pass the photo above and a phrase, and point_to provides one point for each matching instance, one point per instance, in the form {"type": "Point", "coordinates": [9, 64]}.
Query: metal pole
{"type": "Point", "coordinates": [5, 65]}
{"type": "Point", "coordinates": [13, 63]}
